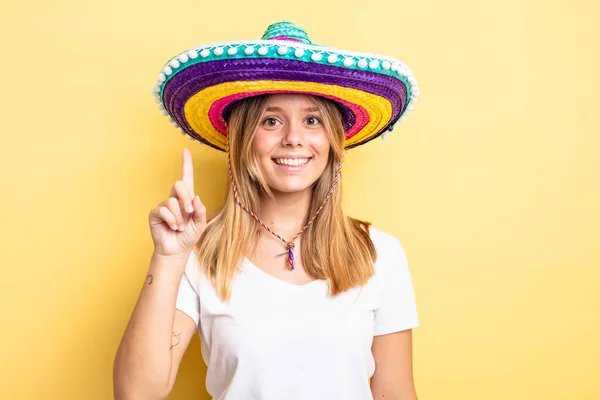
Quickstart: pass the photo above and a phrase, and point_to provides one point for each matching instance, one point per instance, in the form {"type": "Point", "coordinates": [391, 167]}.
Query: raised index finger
{"type": "Point", "coordinates": [188, 171]}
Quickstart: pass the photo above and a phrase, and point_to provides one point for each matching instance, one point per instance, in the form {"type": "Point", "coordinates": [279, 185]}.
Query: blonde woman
{"type": "Point", "coordinates": [292, 298]}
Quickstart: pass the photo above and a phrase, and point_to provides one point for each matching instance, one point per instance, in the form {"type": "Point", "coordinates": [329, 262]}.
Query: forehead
{"type": "Point", "coordinates": [291, 101]}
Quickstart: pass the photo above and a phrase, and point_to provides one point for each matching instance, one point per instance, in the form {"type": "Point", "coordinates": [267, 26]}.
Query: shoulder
{"type": "Point", "coordinates": [390, 252]}
{"type": "Point", "coordinates": [386, 244]}
{"type": "Point", "coordinates": [382, 239]}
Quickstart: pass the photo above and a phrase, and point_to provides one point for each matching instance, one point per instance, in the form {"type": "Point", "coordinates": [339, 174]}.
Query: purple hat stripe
{"type": "Point", "coordinates": [197, 77]}
{"type": "Point", "coordinates": [202, 75]}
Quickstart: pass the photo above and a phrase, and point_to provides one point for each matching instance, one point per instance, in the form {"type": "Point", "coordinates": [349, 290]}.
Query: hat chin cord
{"type": "Point", "coordinates": [290, 264]}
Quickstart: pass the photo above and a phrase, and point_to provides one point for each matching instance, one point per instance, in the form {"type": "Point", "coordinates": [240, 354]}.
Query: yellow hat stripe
{"type": "Point", "coordinates": [196, 109]}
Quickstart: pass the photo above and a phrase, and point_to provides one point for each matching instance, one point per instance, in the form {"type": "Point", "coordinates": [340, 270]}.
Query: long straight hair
{"type": "Point", "coordinates": [335, 248]}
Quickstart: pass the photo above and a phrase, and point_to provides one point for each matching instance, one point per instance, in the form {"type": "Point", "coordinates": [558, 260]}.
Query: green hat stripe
{"type": "Point", "coordinates": [288, 29]}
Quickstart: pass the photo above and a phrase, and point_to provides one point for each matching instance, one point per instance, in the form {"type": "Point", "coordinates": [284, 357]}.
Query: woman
{"type": "Point", "coordinates": [292, 299]}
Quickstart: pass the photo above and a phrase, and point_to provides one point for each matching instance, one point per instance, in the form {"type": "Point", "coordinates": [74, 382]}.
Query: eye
{"type": "Point", "coordinates": [270, 122]}
{"type": "Point", "coordinates": [312, 120]}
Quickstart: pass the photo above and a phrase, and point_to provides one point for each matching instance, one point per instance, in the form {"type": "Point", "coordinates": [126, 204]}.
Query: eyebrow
{"type": "Point", "coordinates": [308, 109]}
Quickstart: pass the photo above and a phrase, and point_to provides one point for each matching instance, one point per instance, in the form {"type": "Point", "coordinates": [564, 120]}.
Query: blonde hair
{"type": "Point", "coordinates": [335, 248]}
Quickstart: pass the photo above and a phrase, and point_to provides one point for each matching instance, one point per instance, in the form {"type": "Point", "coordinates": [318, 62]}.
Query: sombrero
{"type": "Point", "coordinates": [196, 88]}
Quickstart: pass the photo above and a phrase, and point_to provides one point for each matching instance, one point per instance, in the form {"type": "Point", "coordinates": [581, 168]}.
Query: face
{"type": "Point", "coordinates": [291, 144]}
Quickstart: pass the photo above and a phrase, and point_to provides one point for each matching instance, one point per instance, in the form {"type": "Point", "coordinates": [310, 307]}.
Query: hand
{"type": "Point", "coordinates": [177, 223]}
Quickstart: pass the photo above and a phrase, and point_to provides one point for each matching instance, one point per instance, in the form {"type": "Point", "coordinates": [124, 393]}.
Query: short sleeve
{"type": "Point", "coordinates": [188, 300]}
{"type": "Point", "coordinates": [397, 310]}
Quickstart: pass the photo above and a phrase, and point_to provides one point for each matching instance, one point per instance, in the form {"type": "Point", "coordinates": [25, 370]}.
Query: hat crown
{"type": "Point", "coordinates": [286, 31]}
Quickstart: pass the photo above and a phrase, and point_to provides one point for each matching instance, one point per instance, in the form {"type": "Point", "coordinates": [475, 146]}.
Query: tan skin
{"type": "Point", "coordinates": [291, 125]}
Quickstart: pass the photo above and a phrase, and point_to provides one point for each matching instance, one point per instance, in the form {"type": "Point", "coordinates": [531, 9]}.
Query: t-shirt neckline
{"type": "Point", "coordinates": [259, 271]}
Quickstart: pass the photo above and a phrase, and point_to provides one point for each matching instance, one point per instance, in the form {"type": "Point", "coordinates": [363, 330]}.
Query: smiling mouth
{"type": "Point", "coordinates": [292, 162]}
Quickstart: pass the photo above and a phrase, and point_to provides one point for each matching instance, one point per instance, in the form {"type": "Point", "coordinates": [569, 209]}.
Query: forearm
{"type": "Point", "coordinates": [144, 358]}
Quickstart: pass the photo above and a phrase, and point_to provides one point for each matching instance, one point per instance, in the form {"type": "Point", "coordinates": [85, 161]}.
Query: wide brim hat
{"type": "Point", "coordinates": [197, 88]}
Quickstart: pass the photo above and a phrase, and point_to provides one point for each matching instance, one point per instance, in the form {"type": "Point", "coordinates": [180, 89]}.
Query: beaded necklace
{"type": "Point", "coordinates": [289, 244]}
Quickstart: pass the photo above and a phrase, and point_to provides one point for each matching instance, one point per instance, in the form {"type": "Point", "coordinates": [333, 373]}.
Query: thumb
{"type": "Point", "coordinates": [199, 212]}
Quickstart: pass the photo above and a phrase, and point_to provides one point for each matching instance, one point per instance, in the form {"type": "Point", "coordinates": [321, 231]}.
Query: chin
{"type": "Point", "coordinates": [291, 187]}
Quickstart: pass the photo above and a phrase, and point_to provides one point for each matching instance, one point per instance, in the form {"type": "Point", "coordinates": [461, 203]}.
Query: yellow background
{"type": "Point", "coordinates": [492, 183]}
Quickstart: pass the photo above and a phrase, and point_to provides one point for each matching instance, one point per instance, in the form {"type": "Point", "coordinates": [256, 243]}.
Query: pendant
{"type": "Point", "coordinates": [290, 254]}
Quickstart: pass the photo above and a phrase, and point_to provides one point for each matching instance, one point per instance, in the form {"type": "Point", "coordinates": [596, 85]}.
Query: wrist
{"type": "Point", "coordinates": [171, 256]}
{"type": "Point", "coordinates": [175, 262]}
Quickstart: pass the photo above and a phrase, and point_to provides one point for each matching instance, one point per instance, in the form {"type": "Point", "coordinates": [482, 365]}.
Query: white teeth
{"type": "Point", "coordinates": [291, 161]}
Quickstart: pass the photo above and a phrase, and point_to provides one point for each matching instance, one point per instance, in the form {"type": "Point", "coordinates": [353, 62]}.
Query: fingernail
{"type": "Point", "coordinates": [181, 228]}
{"type": "Point", "coordinates": [189, 208]}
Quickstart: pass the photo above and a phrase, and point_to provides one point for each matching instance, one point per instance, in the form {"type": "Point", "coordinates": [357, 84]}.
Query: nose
{"type": "Point", "coordinates": [293, 135]}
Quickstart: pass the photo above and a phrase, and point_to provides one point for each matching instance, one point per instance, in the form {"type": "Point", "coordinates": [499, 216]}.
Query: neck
{"type": "Point", "coordinates": [285, 213]}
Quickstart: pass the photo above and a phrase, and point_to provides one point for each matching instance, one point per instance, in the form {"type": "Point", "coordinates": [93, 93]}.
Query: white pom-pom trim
{"type": "Point", "coordinates": [263, 51]}
{"type": "Point", "coordinates": [374, 64]}
{"type": "Point", "coordinates": [249, 50]}
{"type": "Point", "coordinates": [218, 51]}
{"type": "Point", "coordinates": [167, 70]}
{"type": "Point", "coordinates": [204, 53]}
{"type": "Point", "coordinates": [174, 63]}
{"type": "Point", "coordinates": [316, 57]}
{"type": "Point", "coordinates": [282, 50]}
{"type": "Point", "coordinates": [192, 54]}
{"type": "Point", "coordinates": [362, 63]}
{"type": "Point", "coordinates": [385, 136]}
{"type": "Point", "coordinates": [232, 51]}
{"type": "Point", "coordinates": [332, 58]}
{"type": "Point", "coordinates": [348, 61]}
{"type": "Point", "coordinates": [183, 58]}
{"type": "Point", "coordinates": [299, 53]}
{"type": "Point", "coordinates": [162, 77]}
{"type": "Point", "coordinates": [386, 65]}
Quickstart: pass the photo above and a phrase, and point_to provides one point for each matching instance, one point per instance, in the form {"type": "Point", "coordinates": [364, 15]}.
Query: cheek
{"type": "Point", "coordinates": [321, 144]}
{"type": "Point", "coordinates": [261, 144]}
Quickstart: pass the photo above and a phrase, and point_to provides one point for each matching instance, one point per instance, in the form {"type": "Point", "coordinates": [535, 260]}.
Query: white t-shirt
{"type": "Point", "coordinates": [276, 340]}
